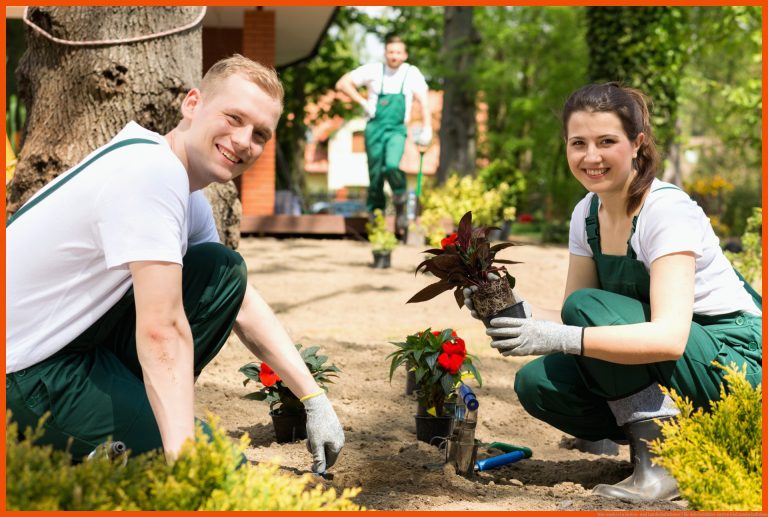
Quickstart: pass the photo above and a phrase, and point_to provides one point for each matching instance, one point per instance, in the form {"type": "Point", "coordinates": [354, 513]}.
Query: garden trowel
{"type": "Point", "coordinates": [462, 446]}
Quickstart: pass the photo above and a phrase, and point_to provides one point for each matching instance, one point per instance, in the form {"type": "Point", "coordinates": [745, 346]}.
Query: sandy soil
{"type": "Point", "coordinates": [326, 294]}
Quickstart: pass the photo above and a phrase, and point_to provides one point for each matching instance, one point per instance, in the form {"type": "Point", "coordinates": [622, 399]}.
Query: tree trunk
{"type": "Point", "coordinates": [458, 126]}
{"type": "Point", "coordinates": [79, 97]}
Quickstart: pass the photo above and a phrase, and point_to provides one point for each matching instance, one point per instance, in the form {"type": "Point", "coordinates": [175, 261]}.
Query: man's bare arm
{"type": "Point", "coordinates": [165, 349]}
{"type": "Point", "coordinates": [263, 334]}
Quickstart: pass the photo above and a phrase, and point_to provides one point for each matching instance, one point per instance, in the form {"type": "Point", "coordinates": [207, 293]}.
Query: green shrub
{"type": "Point", "coordinates": [456, 197]}
{"type": "Point", "coordinates": [716, 456]}
{"type": "Point", "coordinates": [750, 261]}
{"type": "Point", "coordinates": [379, 236]}
{"type": "Point", "coordinates": [500, 171]}
{"type": "Point", "coordinates": [204, 477]}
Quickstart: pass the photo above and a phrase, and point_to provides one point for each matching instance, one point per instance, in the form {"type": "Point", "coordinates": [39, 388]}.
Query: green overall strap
{"type": "Point", "coordinates": [384, 70]}
{"type": "Point", "coordinates": [755, 296]}
{"type": "Point", "coordinates": [74, 173]}
{"type": "Point", "coordinates": [383, 73]}
{"type": "Point", "coordinates": [593, 232]}
{"type": "Point", "coordinates": [402, 86]}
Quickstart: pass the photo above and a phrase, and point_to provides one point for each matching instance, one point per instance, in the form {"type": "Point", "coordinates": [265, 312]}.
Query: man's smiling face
{"type": "Point", "coordinates": [229, 127]}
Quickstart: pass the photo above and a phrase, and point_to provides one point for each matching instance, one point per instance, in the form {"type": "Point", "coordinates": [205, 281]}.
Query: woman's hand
{"type": "Point", "coordinates": [469, 291]}
{"type": "Point", "coordinates": [523, 336]}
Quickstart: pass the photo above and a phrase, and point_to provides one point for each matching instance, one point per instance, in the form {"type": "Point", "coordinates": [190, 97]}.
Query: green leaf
{"type": "Point", "coordinates": [258, 395]}
{"type": "Point", "coordinates": [471, 368]}
{"type": "Point", "coordinates": [307, 352]}
{"type": "Point", "coordinates": [446, 382]}
{"type": "Point", "coordinates": [431, 360]}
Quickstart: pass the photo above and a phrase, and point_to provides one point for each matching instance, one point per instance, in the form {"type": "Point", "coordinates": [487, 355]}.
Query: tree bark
{"type": "Point", "coordinates": [458, 126]}
{"type": "Point", "coordinates": [79, 97]}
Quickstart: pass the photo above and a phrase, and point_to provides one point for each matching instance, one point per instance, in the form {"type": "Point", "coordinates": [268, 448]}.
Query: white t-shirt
{"type": "Point", "coordinates": [67, 257]}
{"type": "Point", "coordinates": [671, 222]}
{"type": "Point", "coordinates": [370, 76]}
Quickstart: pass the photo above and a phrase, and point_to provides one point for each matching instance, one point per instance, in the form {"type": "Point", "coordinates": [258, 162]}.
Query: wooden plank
{"type": "Point", "coordinates": [325, 224]}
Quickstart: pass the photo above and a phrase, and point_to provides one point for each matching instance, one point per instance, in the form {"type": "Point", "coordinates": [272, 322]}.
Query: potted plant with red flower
{"type": "Point", "coordinates": [438, 359]}
{"type": "Point", "coordinates": [466, 258]}
{"type": "Point", "coordinates": [288, 416]}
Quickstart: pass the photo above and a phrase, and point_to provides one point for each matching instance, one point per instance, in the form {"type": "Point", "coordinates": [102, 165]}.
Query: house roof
{"type": "Point", "coordinates": [298, 29]}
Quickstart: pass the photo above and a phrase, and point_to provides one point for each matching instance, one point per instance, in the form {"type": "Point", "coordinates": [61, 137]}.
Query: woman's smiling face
{"type": "Point", "coordinates": [599, 152]}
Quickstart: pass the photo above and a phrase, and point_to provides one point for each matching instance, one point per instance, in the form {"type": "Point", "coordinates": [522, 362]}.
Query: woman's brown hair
{"type": "Point", "coordinates": [631, 106]}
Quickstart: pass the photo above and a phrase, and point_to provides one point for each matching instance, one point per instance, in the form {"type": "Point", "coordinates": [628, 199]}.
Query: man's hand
{"type": "Point", "coordinates": [370, 111]}
{"type": "Point", "coordinates": [522, 336]}
{"type": "Point", "coordinates": [469, 291]}
{"type": "Point", "coordinates": [325, 437]}
{"type": "Point", "coordinates": [424, 137]}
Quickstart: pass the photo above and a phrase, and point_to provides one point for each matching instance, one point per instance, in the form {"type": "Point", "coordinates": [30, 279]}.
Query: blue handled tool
{"type": "Point", "coordinates": [499, 461]}
{"type": "Point", "coordinates": [468, 396]}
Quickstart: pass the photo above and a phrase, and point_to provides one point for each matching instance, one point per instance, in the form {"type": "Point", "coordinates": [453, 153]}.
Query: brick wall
{"type": "Point", "coordinates": [219, 43]}
{"type": "Point", "coordinates": [257, 186]}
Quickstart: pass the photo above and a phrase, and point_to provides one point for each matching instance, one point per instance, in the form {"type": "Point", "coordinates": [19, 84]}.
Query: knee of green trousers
{"type": "Point", "coordinates": [551, 389]}
{"type": "Point", "coordinates": [591, 307]}
{"type": "Point", "coordinates": [214, 280]}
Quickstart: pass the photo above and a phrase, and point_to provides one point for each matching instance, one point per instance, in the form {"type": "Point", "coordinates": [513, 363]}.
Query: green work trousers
{"type": "Point", "coordinates": [93, 388]}
{"type": "Point", "coordinates": [384, 146]}
{"type": "Point", "coordinates": [570, 392]}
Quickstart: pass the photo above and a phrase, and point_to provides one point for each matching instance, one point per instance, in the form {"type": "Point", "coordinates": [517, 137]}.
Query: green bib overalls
{"type": "Point", "coordinates": [93, 388]}
{"type": "Point", "coordinates": [385, 137]}
{"type": "Point", "coordinates": [570, 392]}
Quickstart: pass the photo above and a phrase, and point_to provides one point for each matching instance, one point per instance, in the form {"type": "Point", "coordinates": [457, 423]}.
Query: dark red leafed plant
{"type": "Point", "coordinates": [465, 259]}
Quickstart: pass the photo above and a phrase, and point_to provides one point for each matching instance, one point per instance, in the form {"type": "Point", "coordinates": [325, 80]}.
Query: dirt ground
{"type": "Point", "coordinates": [326, 293]}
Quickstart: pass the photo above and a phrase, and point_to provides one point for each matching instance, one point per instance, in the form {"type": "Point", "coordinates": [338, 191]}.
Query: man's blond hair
{"type": "Point", "coordinates": [262, 76]}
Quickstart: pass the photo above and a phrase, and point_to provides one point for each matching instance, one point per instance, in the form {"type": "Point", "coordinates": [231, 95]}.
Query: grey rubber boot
{"type": "Point", "coordinates": [648, 482]}
{"type": "Point", "coordinates": [401, 218]}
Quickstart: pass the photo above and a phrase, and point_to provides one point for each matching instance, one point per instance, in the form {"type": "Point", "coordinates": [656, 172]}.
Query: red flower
{"type": "Point", "coordinates": [450, 362]}
{"type": "Point", "coordinates": [450, 240]}
{"type": "Point", "coordinates": [457, 346]}
{"type": "Point", "coordinates": [525, 218]}
{"type": "Point", "coordinates": [436, 333]}
{"type": "Point", "coordinates": [267, 375]}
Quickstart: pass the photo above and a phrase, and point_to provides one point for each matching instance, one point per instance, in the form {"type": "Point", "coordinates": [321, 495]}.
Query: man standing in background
{"type": "Point", "coordinates": [391, 87]}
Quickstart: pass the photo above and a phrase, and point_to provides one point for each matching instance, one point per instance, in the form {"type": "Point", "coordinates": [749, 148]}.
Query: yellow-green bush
{"type": "Point", "coordinates": [456, 197]}
{"type": "Point", "coordinates": [716, 456]}
{"type": "Point", "coordinates": [204, 477]}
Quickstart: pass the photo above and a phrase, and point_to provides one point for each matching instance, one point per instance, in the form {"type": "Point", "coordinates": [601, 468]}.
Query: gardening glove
{"type": "Point", "coordinates": [370, 111]}
{"type": "Point", "coordinates": [468, 291]}
{"type": "Point", "coordinates": [523, 336]}
{"type": "Point", "coordinates": [325, 437]}
{"type": "Point", "coordinates": [424, 137]}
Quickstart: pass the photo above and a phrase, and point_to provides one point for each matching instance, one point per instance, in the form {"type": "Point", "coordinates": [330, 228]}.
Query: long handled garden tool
{"type": "Point", "coordinates": [462, 446]}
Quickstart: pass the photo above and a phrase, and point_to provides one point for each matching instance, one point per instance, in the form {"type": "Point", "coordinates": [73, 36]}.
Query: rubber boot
{"type": "Point", "coordinates": [401, 218]}
{"type": "Point", "coordinates": [648, 482]}
{"type": "Point", "coordinates": [606, 447]}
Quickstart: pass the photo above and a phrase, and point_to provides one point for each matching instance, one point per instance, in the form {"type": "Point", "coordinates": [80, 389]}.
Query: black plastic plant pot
{"type": "Point", "coordinates": [514, 311]}
{"type": "Point", "coordinates": [433, 429]}
{"type": "Point", "coordinates": [382, 259]}
{"type": "Point", "coordinates": [290, 427]}
{"type": "Point", "coordinates": [449, 408]}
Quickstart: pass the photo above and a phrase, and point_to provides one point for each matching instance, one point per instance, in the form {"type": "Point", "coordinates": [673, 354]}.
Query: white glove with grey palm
{"type": "Point", "coordinates": [325, 437]}
{"type": "Point", "coordinates": [523, 336]}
